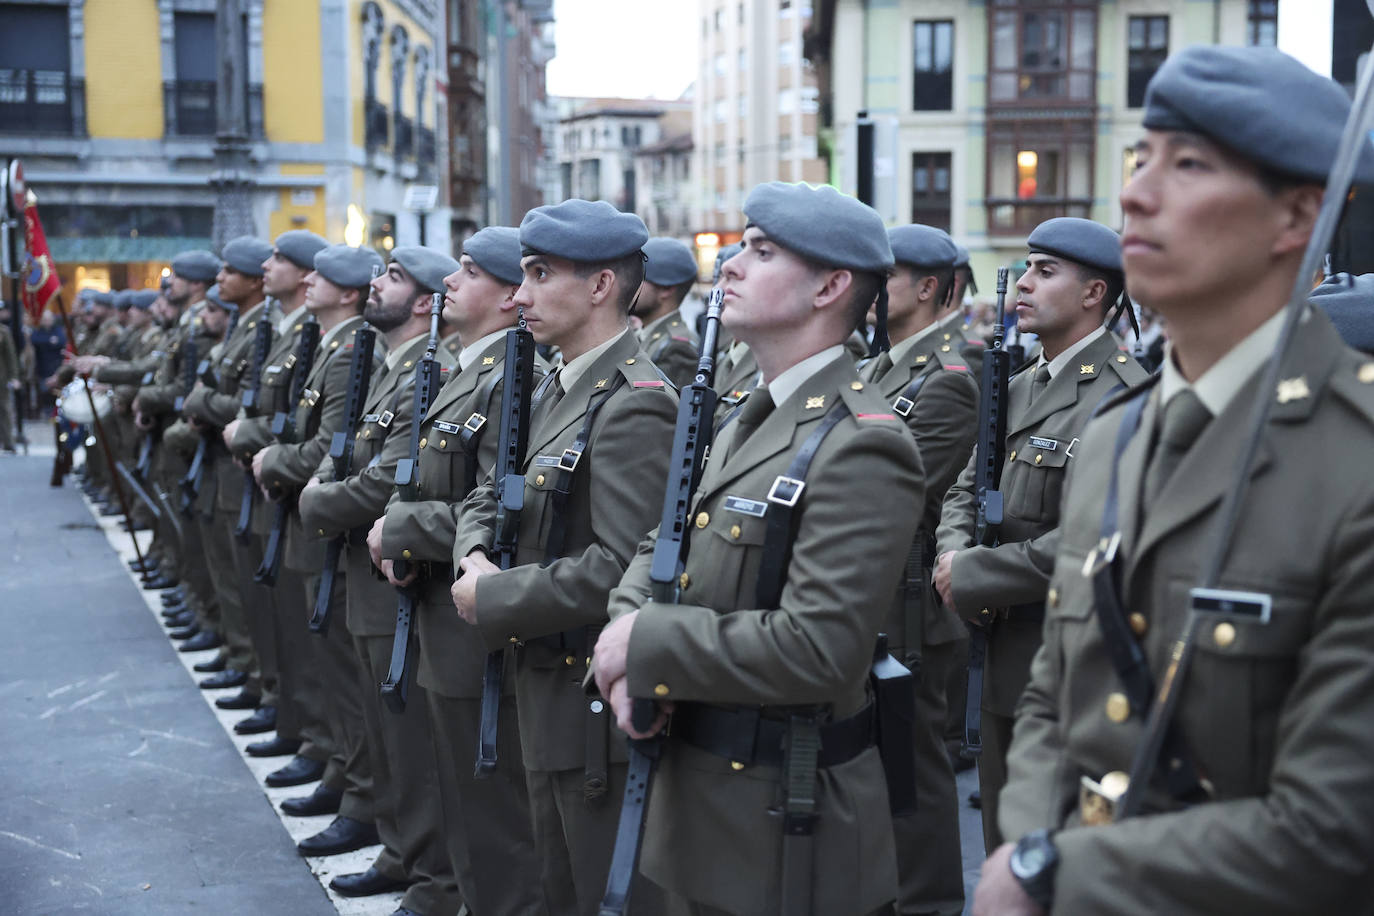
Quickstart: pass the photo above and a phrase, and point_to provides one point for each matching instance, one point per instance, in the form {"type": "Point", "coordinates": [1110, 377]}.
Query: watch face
{"type": "Point", "coordinates": [1032, 858]}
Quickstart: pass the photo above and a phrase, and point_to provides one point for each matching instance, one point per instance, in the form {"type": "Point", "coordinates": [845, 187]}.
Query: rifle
{"type": "Point", "coordinates": [204, 456]}
{"type": "Point", "coordinates": [341, 451]}
{"type": "Point", "coordinates": [691, 440]}
{"type": "Point", "coordinates": [987, 467]}
{"type": "Point", "coordinates": [395, 687]}
{"type": "Point", "coordinates": [299, 364]}
{"type": "Point", "coordinates": [262, 342]}
{"type": "Point", "coordinates": [517, 381]}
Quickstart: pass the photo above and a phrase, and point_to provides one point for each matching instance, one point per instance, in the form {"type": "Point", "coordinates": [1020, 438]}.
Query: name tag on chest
{"type": "Point", "coordinates": [756, 508]}
{"type": "Point", "coordinates": [544, 461]}
{"type": "Point", "coordinates": [445, 427]}
{"type": "Point", "coordinates": [1048, 445]}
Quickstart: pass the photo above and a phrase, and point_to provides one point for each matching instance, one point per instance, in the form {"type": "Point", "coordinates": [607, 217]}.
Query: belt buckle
{"type": "Point", "coordinates": [1101, 556]}
{"type": "Point", "coordinates": [1097, 800]}
{"type": "Point", "coordinates": [903, 406]}
{"type": "Point", "coordinates": [569, 459]}
{"type": "Point", "coordinates": [475, 423]}
{"type": "Point", "coordinates": [786, 491]}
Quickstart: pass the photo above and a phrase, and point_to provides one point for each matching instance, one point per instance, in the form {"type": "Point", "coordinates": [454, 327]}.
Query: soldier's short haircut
{"type": "Point", "coordinates": [865, 286]}
{"type": "Point", "coordinates": [945, 276]}
{"type": "Point", "coordinates": [628, 270]}
{"type": "Point", "coordinates": [1116, 283]}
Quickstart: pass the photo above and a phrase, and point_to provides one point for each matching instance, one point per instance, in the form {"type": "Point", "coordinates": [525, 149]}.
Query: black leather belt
{"type": "Point", "coordinates": [574, 641]}
{"type": "Point", "coordinates": [744, 735]}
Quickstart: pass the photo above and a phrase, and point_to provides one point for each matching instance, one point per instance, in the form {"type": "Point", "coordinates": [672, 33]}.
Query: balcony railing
{"type": "Point", "coordinates": [404, 148]}
{"type": "Point", "coordinates": [36, 101]}
{"type": "Point", "coordinates": [1018, 216]}
{"type": "Point", "coordinates": [193, 108]}
{"type": "Point", "coordinates": [378, 125]}
{"type": "Point", "coordinates": [426, 150]}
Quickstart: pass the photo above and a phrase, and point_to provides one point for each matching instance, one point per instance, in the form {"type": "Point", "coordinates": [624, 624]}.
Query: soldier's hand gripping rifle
{"type": "Point", "coordinates": [341, 451]}
{"type": "Point", "coordinates": [395, 688]}
{"type": "Point", "coordinates": [248, 398]}
{"type": "Point", "coordinates": [517, 381]}
{"type": "Point", "coordinates": [298, 364]}
{"type": "Point", "coordinates": [195, 474]}
{"type": "Point", "coordinates": [691, 440]}
{"type": "Point", "coordinates": [989, 457]}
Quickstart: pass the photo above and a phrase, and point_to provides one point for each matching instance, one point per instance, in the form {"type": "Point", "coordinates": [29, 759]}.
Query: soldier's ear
{"type": "Point", "coordinates": [1298, 216]}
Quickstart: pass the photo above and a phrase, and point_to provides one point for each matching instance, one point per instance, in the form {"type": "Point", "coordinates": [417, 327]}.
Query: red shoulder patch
{"type": "Point", "coordinates": [957, 368]}
{"type": "Point", "coordinates": [876, 416]}
{"type": "Point", "coordinates": [658, 384]}
{"type": "Point", "coordinates": [977, 342]}
{"type": "Point", "coordinates": [682, 339]}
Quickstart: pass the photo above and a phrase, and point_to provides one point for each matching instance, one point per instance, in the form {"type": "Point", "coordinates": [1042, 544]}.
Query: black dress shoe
{"type": "Point", "coordinates": [403, 911]}
{"type": "Point", "coordinates": [218, 663]}
{"type": "Point", "coordinates": [205, 639]}
{"type": "Point", "coordinates": [276, 746]}
{"type": "Point", "coordinates": [975, 800]}
{"type": "Point", "coordinates": [138, 565]}
{"type": "Point", "coordinates": [176, 607]}
{"type": "Point", "coordinates": [321, 801]}
{"type": "Point", "coordinates": [296, 773]}
{"type": "Point", "coordinates": [154, 583]}
{"type": "Point", "coordinates": [264, 720]}
{"type": "Point", "coordinates": [344, 834]}
{"type": "Point", "coordinates": [183, 620]}
{"type": "Point", "coordinates": [363, 883]}
{"type": "Point", "coordinates": [226, 678]}
{"type": "Point", "coordinates": [186, 632]}
{"type": "Point", "coordinates": [241, 700]}
{"type": "Point", "coordinates": [173, 596]}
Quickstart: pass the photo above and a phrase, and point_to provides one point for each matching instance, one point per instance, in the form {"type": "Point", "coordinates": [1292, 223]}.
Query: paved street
{"type": "Point", "coordinates": [126, 790]}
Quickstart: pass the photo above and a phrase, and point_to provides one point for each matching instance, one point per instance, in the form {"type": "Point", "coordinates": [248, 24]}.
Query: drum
{"type": "Point", "coordinates": [75, 406]}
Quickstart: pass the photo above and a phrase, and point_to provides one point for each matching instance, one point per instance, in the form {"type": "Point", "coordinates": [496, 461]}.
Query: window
{"type": "Point", "coordinates": [1147, 44]}
{"type": "Point", "coordinates": [932, 66]}
{"type": "Point", "coordinates": [1263, 24]}
{"type": "Point", "coordinates": [787, 101]}
{"type": "Point", "coordinates": [719, 19]}
{"type": "Point", "coordinates": [718, 109]}
{"type": "Point", "coordinates": [743, 106]}
{"type": "Point", "coordinates": [1042, 53]}
{"type": "Point", "coordinates": [720, 65]}
{"type": "Point", "coordinates": [456, 28]}
{"type": "Point", "coordinates": [810, 100]}
{"type": "Point", "coordinates": [196, 70]}
{"type": "Point", "coordinates": [1037, 170]}
{"type": "Point", "coordinates": [930, 189]}
{"type": "Point", "coordinates": [743, 60]}
{"type": "Point", "coordinates": [35, 78]}
{"type": "Point", "coordinates": [787, 54]}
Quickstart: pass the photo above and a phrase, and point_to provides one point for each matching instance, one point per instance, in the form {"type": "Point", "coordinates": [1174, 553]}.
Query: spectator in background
{"type": "Point", "coordinates": [49, 339]}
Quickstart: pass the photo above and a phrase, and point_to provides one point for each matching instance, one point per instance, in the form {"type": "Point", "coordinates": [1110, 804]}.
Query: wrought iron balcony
{"type": "Point", "coordinates": [37, 101]}
{"type": "Point", "coordinates": [191, 106]}
{"type": "Point", "coordinates": [404, 148]}
{"type": "Point", "coordinates": [378, 125]}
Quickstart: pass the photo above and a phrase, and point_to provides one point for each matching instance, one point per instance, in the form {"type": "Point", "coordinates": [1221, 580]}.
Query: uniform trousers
{"type": "Point", "coordinates": [992, 772]}
{"type": "Point", "coordinates": [259, 610]}
{"type": "Point", "coordinates": [218, 537]}
{"type": "Point", "coordinates": [486, 821]}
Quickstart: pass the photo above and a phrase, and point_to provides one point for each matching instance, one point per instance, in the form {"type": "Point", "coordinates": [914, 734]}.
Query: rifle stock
{"type": "Point", "coordinates": [248, 398]}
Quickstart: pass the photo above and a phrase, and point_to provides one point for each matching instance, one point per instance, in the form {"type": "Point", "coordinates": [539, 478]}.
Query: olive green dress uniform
{"type": "Point", "coordinates": [615, 499]}
{"type": "Point", "coordinates": [216, 407]}
{"type": "Point", "coordinates": [399, 752]}
{"type": "Point", "coordinates": [331, 660]}
{"type": "Point", "coordinates": [487, 821]}
{"type": "Point", "coordinates": [1275, 713]}
{"type": "Point", "coordinates": [943, 418]}
{"type": "Point", "coordinates": [1003, 587]}
{"type": "Point", "coordinates": [273, 633]}
{"type": "Point", "coordinates": [737, 374]}
{"type": "Point", "coordinates": [713, 834]}
{"type": "Point", "coordinates": [673, 347]}
{"type": "Point", "coordinates": [9, 371]}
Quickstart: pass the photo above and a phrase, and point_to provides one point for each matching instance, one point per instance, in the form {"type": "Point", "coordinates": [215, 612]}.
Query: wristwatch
{"type": "Point", "coordinates": [1034, 862]}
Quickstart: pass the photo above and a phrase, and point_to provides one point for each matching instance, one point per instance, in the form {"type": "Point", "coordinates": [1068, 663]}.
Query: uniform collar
{"type": "Point", "coordinates": [1219, 385]}
{"type": "Point", "coordinates": [792, 378]}
{"type": "Point", "coordinates": [1063, 359]}
{"type": "Point", "coordinates": [393, 356]}
{"type": "Point", "coordinates": [289, 321]}
{"type": "Point", "coordinates": [904, 349]}
{"type": "Point", "coordinates": [471, 352]}
{"type": "Point", "coordinates": [574, 370]}
{"type": "Point", "coordinates": [345, 326]}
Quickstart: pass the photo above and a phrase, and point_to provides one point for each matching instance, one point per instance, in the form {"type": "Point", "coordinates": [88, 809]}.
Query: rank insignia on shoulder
{"type": "Point", "coordinates": [1365, 373]}
{"type": "Point", "coordinates": [922, 359]}
{"type": "Point", "coordinates": [334, 345]}
{"type": "Point", "coordinates": [601, 383]}
{"type": "Point", "coordinates": [657, 335]}
{"type": "Point", "coordinates": [875, 416]}
{"type": "Point", "coordinates": [385, 419]}
{"type": "Point", "coordinates": [815, 402]}
{"type": "Point", "coordinates": [1087, 369]}
{"type": "Point", "coordinates": [488, 360]}
{"type": "Point", "coordinates": [650, 384]}
{"type": "Point", "coordinates": [408, 363]}
{"type": "Point", "coordinates": [1293, 389]}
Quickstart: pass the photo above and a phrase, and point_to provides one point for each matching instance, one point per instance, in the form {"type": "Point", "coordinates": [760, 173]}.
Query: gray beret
{"type": "Point", "coordinates": [669, 263]}
{"type": "Point", "coordinates": [196, 265]}
{"type": "Point", "coordinates": [1349, 303]}
{"type": "Point", "coordinates": [212, 295]}
{"type": "Point", "coordinates": [246, 254]}
{"type": "Point", "coordinates": [347, 268]}
{"type": "Point", "coordinates": [588, 231]}
{"type": "Point", "coordinates": [496, 249]}
{"type": "Point", "coordinates": [1266, 106]}
{"type": "Point", "coordinates": [821, 225]}
{"type": "Point", "coordinates": [427, 267]}
{"type": "Point", "coordinates": [1080, 240]}
{"type": "Point", "coordinates": [105, 299]}
{"type": "Point", "coordinates": [961, 257]}
{"type": "Point", "coordinates": [922, 246]}
{"type": "Point", "coordinates": [143, 298]}
{"type": "Point", "coordinates": [299, 246]}
{"type": "Point", "coordinates": [122, 300]}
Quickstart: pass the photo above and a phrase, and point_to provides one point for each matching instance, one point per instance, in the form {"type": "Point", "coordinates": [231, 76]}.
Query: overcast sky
{"type": "Point", "coordinates": [626, 48]}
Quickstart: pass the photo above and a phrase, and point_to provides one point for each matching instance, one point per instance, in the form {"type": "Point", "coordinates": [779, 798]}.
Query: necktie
{"type": "Point", "coordinates": [755, 410]}
{"type": "Point", "coordinates": [553, 393]}
{"type": "Point", "coordinates": [1185, 416]}
{"type": "Point", "coordinates": [1039, 382]}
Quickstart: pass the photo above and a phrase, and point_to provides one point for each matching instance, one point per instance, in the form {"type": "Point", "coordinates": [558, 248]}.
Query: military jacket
{"type": "Point", "coordinates": [351, 506]}
{"type": "Point", "coordinates": [9, 358]}
{"type": "Point", "coordinates": [159, 397]}
{"type": "Point", "coordinates": [1276, 713]}
{"type": "Point", "coordinates": [452, 654]}
{"type": "Point", "coordinates": [1042, 440]}
{"type": "Point", "coordinates": [735, 378]}
{"type": "Point", "coordinates": [943, 418]}
{"type": "Point", "coordinates": [615, 498]}
{"type": "Point", "coordinates": [144, 356]}
{"type": "Point", "coordinates": [673, 347]}
{"type": "Point", "coordinates": [713, 832]}
{"type": "Point", "coordinates": [107, 339]}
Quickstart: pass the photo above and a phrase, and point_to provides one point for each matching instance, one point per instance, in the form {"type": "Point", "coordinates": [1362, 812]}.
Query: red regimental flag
{"type": "Point", "coordinates": [41, 284]}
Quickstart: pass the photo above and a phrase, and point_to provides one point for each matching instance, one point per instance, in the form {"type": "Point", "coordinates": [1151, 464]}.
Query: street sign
{"type": "Point", "coordinates": [420, 198]}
